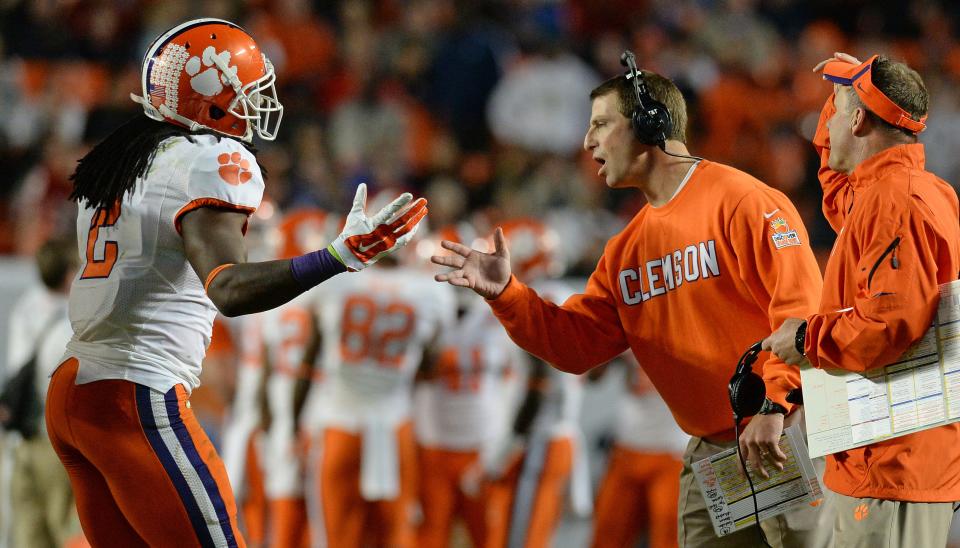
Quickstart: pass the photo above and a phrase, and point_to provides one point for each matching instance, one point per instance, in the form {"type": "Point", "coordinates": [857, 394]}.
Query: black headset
{"type": "Point", "coordinates": [650, 120]}
{"type": "Point", "coordinates": [747, 394]}
{"type": "Point", "coordinates": [747, 391]}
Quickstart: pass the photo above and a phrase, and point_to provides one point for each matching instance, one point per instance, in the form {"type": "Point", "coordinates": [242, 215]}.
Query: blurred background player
{"type": "Point", "coordinates": [643, 470]}
{"type": "Point", "coordinates": [530, 468]}
{"type": "Point", "coordinates": [461, 408]}
{"type": "Point", "coordinates": [237, 351]}
{"type": "Point", "coordinates": [164, 203]}
{"type": "Point", "coordinates": [44, 514]}
{"type": "Point", "coordinates": [287, 329]}
{"type": "Point", "coordinates": [374, 336]}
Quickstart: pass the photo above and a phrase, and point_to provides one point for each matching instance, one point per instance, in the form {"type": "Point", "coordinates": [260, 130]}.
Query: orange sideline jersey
{"type": "Point", "coordinates": [880, 295]}
{"type": "Point", "coordinates": [688, 287]}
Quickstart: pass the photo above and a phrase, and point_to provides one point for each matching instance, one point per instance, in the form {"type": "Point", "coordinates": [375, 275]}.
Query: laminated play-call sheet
{"type": "Point", "coordinates": [727, 493]}
{"type": "Point", "coordinates": [920, 390]}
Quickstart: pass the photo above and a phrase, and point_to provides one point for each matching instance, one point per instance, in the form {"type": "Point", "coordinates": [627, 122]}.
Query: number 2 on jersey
{"type": "Point", "coordinates": [373, 330]}
{"type": "Point", "coordinates": [101, 268]}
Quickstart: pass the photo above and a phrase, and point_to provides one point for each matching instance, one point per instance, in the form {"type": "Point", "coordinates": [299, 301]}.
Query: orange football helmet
{"type": "Point", "coordinates": [462, 233]}
{"type": "Point", "coordinates": [306, 230]}
{"type": "Point", "coordinates": [533, 249]}
{"type": "Point", "coordinates": [210, 74]}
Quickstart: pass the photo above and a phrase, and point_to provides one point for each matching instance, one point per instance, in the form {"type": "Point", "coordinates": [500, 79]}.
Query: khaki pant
{"type": "Point", "coordinates": [876, 523]}
{"type": "Point", "coordinates": [43, 510]}
{"type": "Point", "coordinates": [807, 526]}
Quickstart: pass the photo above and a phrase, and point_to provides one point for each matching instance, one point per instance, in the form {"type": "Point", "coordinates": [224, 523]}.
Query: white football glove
{"type": "Point", "coordinates": [365, 239]}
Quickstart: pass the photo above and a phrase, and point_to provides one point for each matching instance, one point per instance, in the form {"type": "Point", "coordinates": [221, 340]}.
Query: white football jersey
{"type": "Point", "coordinates": [375, 326]}
{"type": "Point", "coordinates": [243, 417]}
{"type": "Point", "coordinates": [461, 407]}
{"type": "Point", "coordinates": [644, 423]}
{"type": "Point", "coordinates": [31, 318]}
{"type": "Point", "coordinates": [138, 310]}
{"type": "Point", "coordinates": [563, 394]}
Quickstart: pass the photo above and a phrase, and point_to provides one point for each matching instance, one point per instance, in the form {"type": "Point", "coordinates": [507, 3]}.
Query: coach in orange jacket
{"type": "Point", "coordinates": [898, 239]}
{"type": "Point", "coordinates": [710, 265]}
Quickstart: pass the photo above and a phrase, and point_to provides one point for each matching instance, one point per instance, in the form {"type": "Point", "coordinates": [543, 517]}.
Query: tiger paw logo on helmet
{"type": "Point", "coordinates": [211, 81]}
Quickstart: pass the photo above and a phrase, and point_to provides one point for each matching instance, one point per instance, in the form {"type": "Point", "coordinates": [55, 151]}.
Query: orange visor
{"type": "Point", "coordinates": [860, 77]}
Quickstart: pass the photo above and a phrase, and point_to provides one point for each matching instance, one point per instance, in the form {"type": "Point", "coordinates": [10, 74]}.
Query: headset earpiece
{"type": "Point", "coordinates": [650, 121]}
{"type": "Point", "coordinates": [747, 390]}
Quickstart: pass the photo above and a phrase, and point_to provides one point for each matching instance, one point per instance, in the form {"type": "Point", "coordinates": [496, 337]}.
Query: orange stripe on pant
{"type": "Point", "coordinates": [443, 501]}
{"type": "Point", "coordinates": [143, 471]}
{"type": "Point", "coordinates": [639, 492]}
{"type": "Point", "coordinates": [254, 506]}
{"type": "Point", "coordinates": [545, 505]}
{"type": "Point", "coordinates": [349, 521]}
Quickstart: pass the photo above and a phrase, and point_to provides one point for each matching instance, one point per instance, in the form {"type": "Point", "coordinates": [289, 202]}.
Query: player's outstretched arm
{"type": "Point", "coordinates": [213, 240]}
{"type": "Point", "coordinates": [485, 273]}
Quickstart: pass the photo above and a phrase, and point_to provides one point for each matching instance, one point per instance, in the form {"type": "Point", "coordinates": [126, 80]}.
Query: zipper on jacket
{"type": "Point", "coordinates": [894, 262]}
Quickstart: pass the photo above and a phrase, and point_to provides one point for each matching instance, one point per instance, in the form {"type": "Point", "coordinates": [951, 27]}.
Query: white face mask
{"type": "Point", "coordinates": [257, 103]}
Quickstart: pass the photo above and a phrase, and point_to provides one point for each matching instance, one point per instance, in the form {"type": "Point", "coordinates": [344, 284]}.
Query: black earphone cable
{"type": "Point", "coordinates": [685, 156]}
{"type": "Point", "coordinates": [753, 492]}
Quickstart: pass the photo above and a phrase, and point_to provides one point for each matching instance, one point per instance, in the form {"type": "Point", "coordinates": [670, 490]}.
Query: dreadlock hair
{"type": "Point", "coordinates": [110, 171]}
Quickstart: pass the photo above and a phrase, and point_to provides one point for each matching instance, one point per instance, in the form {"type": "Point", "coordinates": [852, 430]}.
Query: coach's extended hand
{"type": "Point", "coordinates": [486, 273]}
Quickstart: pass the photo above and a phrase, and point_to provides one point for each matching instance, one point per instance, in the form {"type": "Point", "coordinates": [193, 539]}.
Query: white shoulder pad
{"type": "Point", "coordinates": [223, 175]}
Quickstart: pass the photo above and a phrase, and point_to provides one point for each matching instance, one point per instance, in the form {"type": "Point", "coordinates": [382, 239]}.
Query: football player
{"type": "Point", "coordinates": [164, 202]}
{"type": "Point", "coordinates": [531, 466]}
{"type": "Point", "coordinates": [362, 464]}
{"type": "Point", "coordinates": [460, 410]}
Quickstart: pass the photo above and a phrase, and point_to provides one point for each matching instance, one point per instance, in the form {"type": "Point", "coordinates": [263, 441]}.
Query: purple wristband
{"type": "Point", "coordinates": [311, 269]}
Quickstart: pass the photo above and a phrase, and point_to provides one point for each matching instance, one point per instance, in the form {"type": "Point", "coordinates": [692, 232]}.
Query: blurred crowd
{"type": "Point", "coordinates": [480, 105]}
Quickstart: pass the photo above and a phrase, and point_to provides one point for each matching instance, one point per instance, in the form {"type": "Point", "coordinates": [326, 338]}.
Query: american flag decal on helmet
{"type": "Point", "coordinates": [165, 75]}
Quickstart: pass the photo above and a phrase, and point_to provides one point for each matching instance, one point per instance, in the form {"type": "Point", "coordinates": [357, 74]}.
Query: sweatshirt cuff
{"type": "Point", "coordinates": [510, 295]}
{"type": "Point", "coordinates": [778, 394]}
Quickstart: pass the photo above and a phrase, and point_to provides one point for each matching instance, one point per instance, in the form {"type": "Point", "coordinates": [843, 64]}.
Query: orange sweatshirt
{"type": "Point", "coordinates": [688, 286]}
{"type": "Point", "coordinates": [898, 239]}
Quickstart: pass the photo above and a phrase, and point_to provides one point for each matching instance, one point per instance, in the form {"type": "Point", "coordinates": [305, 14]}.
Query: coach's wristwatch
{"type": "Point", "coordinates": [770, 407]}
{"type": "Point", "coordinates": [801, 339]}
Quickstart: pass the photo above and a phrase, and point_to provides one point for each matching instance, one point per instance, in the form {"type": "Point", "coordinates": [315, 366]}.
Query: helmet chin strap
{"type": "Point", "coordinates": [148, 108]}
{"type": "Point", "coordinates": [164, 113]}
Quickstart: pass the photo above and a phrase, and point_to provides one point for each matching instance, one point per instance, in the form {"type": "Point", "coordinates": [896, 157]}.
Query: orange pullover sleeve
{"type": "Point", "coordinates": [897, 292]}
{"type": "Point", "coordinates": [779, 270]}
{"type": "Point", "coordinates": [581, 334]}
{"type": "Point", "coordinates": [837, 196]}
